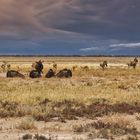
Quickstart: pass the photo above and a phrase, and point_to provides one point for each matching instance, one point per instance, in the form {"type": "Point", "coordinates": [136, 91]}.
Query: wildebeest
{"type": "Point", "coordinates": [35, 74]}
{"type": "Point", "coordinates": [54, 65]}
{"type": "Point", "coordinates": [8, 66]}
{"type": "Point", "coordinates": [103, 64]}
{"type": "Point", "coordinates": [65, 73]}
{"type": "Point", "coordinates": [13, 73]}
{"type": "Point", "coordinates": [50, 74]}
{"type": "Point", "coordinates": [39, 66]}
{"type": "Point", "coordinates": [133, 63]}
{"type": "Point", "coordinates": [74, 67]}
{"type": "Point", "coordinates": [5, 66]}
{"type": "Point", "coordinates": [38, 70]}
{"type": "Point", "coordinates": [85, 68]}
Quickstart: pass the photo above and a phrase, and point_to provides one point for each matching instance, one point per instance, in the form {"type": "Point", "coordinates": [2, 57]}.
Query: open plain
{"type": "Point", "coordinates": [93, 104]}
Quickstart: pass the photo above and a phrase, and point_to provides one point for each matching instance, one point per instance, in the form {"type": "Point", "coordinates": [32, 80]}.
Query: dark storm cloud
{"type": "Point", "coordinates": [117, 19]}
{"type": "Point", "coordinates": [94, 22]}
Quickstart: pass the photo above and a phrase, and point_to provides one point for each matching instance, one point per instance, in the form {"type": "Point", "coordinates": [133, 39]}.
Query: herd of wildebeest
{"type": "Point", "coordinates": [64, 73]}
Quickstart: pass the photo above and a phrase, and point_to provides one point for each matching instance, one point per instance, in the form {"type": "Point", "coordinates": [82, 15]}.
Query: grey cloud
{"type": "Point", "coordinates": [19, 19]}
{"type": "Point", "coordinates": [93, 49]}
{"type": "Point", "coordinates": [98, 17]}
{"type": "Point", "coordinates": [108, 18]}
{"type": "Point", "coordinates": [127, 45]}
{"type": "Point", "coordinates": [72, 20]}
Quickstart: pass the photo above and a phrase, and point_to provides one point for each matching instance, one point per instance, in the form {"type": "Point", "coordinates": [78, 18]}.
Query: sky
{"type": "Point", "coordinates": [70, 27]}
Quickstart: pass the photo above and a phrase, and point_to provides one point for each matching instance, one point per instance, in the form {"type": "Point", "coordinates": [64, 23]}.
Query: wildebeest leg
{"type": "Point", "coordinates": [128, 66]}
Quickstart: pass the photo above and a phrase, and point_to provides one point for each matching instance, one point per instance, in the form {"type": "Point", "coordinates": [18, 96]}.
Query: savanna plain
{"type": "Point", "coordinates": [93, 104]}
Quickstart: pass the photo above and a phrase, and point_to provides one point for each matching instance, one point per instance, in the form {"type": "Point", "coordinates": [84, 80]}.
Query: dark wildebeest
{"type": "Point", "coordinates": [103, 64]}
{"type": "Point", "coordinates": [38, 70]}
{"type": "Point", "coordinates": [34, 74]}
{"type": "Point", "coordinates": [133, 63]}
{"type": "Point", "coordinates": [50, 74]}
{"type": "Point", "coordinates": [13, 73]}
{"type": "Point", "coordinates": [65, 73]}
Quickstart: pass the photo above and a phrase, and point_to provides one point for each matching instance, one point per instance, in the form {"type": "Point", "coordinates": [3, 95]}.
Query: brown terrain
{"type": "Point", "coordinates": [94, 104]}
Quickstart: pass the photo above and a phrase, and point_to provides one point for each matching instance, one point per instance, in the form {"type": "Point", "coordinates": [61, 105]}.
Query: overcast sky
{"type": "Point", "coordinates": [70, 27]}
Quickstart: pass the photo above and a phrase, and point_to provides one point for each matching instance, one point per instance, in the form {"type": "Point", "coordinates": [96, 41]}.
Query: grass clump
{"type": "Point", "coordinates": [108, 126]}
{"type": "Point", "coordinates": [26, 124]}
{"type": "Point", "coordinates": [27, 137]}
{"type": "Point", "coordinates": [35, 137]}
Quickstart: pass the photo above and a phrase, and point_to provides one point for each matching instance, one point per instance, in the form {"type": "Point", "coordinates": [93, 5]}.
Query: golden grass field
{"type": "Point", "coordinates": [93, 104]}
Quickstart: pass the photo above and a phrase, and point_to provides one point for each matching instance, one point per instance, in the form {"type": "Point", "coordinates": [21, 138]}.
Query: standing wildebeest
{"type": "Point", "coordinates": [5, 66]}
{"type": "Point", "coordinates": [85, 68]}
{"type": "Point", "coordinates": [103, 64]}
{"type": "Point", "coordinates": [133, 63]}
{"type": "Point", "coordinates": [74, 68]}
{"type": "Point", "coordinates": [50, 74]}
{"type": "Point", "coordinates": [64, 73]}
{"type": "Point", "coordinates": [38, 70]}
{"type": "Point", "coordinates": [13, 73]}
{"type": "Point", "coordinates": [54, 65]}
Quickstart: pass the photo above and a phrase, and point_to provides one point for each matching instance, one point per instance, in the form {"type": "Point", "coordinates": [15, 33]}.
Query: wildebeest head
{"type": "Point", "coordinates": [50, 73]}
{"type": "Point", "coordinates": [39, 66]}
{"type": "Point", "coordinates": [54, 65]}
{"type": "Point", "coordinates": [105, 63]}
{"type": "Point", "coordinates": [136, 60]}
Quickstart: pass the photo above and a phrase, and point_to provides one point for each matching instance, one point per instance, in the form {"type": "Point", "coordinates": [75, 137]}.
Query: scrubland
{"type": "Point", "coordinates": [93, 104]}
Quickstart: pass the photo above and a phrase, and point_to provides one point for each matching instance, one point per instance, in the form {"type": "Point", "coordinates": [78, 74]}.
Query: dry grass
{"type": "Point", "coordinates": [111, 90]}
{"type": "Point", "coordinates": [26, 124]}
{"type": "Point", "coordinates": [115, 85]}
{"type": "Point", "coordinates": [86, 90]}
{"type": "Point", "coordinates": [109, 127]}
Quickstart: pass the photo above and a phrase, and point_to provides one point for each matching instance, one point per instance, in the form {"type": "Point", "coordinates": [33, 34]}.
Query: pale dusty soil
{"type": "Point", "coordinates": [55, 129]}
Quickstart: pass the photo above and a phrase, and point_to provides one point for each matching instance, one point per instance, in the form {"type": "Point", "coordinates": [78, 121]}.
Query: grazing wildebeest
{"type": "Point", "coordinates": [74, 68]}
{"type": "Point", "coordinates": [133, 63]}
{"type": "Point", "coordinates": [50, 74]}
{"type": "Point", "coordinates": [103, 64]}
{"type": "Point", "coordinates": [8, 66]}
{"type": "Point", "coordinates": [85, 68]}
{"type": "Point", "coordinates": [13, 73]}
{"type": "Point", "coordinates": [54, 65]}
{"type": "Point", "coordinates": [65, 73]}
{"type": "Point", "coordinates": [5, 66]}
{"type": "Point", "coordinates": [38, 70]}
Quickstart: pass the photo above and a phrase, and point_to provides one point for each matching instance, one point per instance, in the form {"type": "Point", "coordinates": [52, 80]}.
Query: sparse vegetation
{"type": "Point", "coordinates": [35, 137]}
{"type": "Point", "coordinates": [91, 93]}
{"type": "Point", "coordinates": [27, 137]}
{"type": "Point", "coordinates": [26, 124]}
